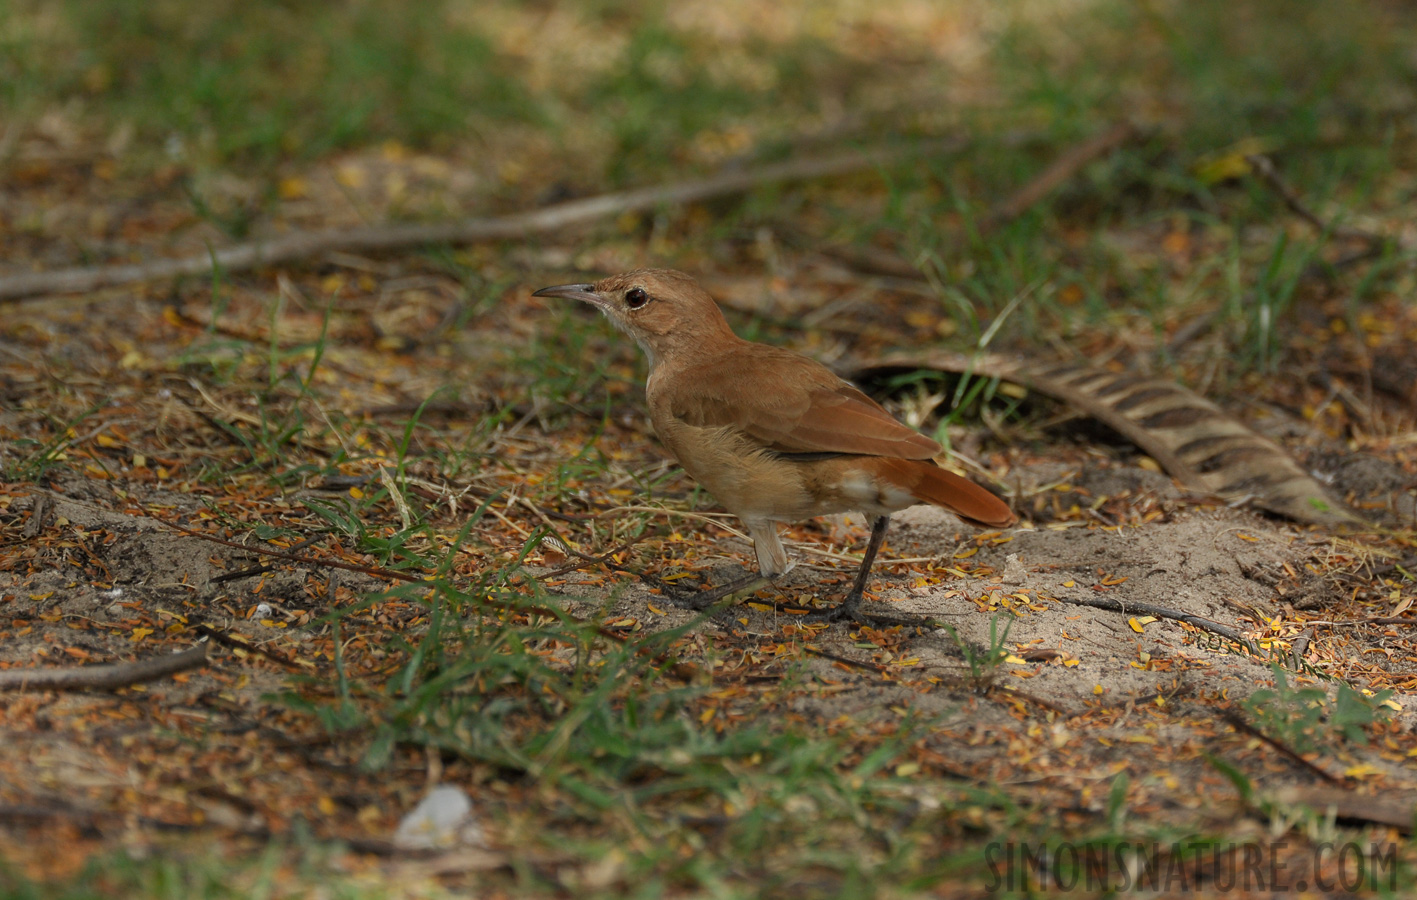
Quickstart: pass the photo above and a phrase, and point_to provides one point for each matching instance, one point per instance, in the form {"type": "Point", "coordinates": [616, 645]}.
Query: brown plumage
{"type": "Point", "coordinates": [772, 434]}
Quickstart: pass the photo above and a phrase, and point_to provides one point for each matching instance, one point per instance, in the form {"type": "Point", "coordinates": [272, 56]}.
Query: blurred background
{"type": "Point", "coordinates": [619, 92]}
{"type": "Point", "coordinates": [139, 131]}
{"type": "Point", "coordinates": [165, 127]}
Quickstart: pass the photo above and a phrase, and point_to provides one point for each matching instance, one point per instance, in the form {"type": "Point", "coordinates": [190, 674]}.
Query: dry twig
{"type": "Point", "coordinates": [877, 261]}
{"type": "Point", "coordinates": [1351, 807]}
{"type": "Point", "coordinates": [1299, 648]}
{"type": "Point", "coordinates": [1063, 169]}
{"type": "Point", "coordinates": [103, 678]}
{"type": "Point", "coordinates": [39, 512]}
{"type": "Point", "coordinates": [234, 643]}
{"type": "Point", "coordinates": [1265, 170]}
{"type": "Point", "coordinates": [1267, 173]}
{"type": "Point", "coordinates": [845, 660]}
{"type": "Point", "coordinates": [1371, 620]}
{"type": "Point", "coordinates": [306, 244]}
{"type": "Point", "coordinates": [685, 671]}
{"type": "Point", "coordinates": [1001, 691]}
{"type": "Point", "coordinates": [1162, 612]}
{"type": "Point", "coordinates": [1238, 722]}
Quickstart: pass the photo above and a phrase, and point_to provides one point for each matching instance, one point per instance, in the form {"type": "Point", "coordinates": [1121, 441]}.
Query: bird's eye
{"type": "Point", "coordinates": [635, 298]}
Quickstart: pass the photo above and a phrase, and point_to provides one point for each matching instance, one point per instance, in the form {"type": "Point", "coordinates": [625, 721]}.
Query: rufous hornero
{"type": "Point", "coordinates": [773, 435]}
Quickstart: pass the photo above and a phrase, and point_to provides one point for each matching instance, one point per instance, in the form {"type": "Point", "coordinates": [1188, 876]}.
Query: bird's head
{"type": "Point", "coordinates": [665, 311]}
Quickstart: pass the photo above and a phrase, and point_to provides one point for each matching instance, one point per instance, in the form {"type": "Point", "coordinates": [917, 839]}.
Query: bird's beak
{"type": "Point", "coordinates": [583, 292]}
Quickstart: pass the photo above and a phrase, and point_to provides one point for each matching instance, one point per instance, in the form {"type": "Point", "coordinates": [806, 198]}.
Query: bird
{"type": "Point", "coordinates": [774, 436]}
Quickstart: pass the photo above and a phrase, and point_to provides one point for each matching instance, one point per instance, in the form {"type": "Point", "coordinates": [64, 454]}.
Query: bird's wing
{"type": "Point", "coordinates": [790, 404]}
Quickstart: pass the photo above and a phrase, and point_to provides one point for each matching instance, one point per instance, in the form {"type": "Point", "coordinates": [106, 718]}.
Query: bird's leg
{"type": "Point", "coordinates": [848, 607]}
{"type": "Point", "coordinates": [772, 564]}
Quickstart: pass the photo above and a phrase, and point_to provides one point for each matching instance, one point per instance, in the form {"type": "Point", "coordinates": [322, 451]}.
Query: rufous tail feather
{"type": "Point", "coordinates": [929, 483]}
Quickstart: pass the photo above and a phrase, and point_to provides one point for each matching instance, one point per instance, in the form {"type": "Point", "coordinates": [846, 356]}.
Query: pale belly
{"type": "Point", "coordinates": [759, 485]}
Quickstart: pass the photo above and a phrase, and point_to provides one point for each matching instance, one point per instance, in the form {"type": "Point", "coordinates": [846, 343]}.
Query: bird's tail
{"type": "Point", "coordinates": [929, 483]}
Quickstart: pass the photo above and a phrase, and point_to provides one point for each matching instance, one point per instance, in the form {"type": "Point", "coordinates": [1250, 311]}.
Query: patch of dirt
{"type": "Point", "coordinates": [1157, 685]}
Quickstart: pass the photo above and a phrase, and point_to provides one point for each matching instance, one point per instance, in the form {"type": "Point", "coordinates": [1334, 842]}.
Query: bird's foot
{"type": "Point", "coordinates": [847, 610]}
{"type": "Point", "coordinates": [704, 599]}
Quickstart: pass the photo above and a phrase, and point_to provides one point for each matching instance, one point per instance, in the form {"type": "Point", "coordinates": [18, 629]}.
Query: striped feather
{"type": "Point", "coordinates": [1194, 440]}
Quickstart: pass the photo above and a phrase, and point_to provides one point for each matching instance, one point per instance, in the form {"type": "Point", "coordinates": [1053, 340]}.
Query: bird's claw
{"type": "Point", "coordinates": [848, 609]}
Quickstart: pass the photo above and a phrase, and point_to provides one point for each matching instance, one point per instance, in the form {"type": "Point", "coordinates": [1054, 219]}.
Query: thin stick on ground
{"type": "Point", "coordinates": [1350, 807]}
{"type": "Point", "coordinates": [307, 244]}
{"type": "Point", "coordinates": [1063, 169]}
{"type": "Point", "coordinates": [1001, 691]}
{"type": "Point", "coordinates": [800, 610]}
{"type": "Point", "coordinates": [586, 559]}
{"type": "Point", "coordinates": [105, 677]}
{"type": "Point", "coordinates": [1238, 722]}
{"type": "Point", "coordinates": [1299, 648]}
{"type": "Point", "coordinates": [884, 262]}
{"type": "Point", "coordinates": [686, 671]}
{"type": "Point", "coordinates": [1371, 620]}
{"type": "Point", "coordinates": [234, 643]}
{"type": "Point", "coordinates": [1267, 173]}
{"type": "Point", "coordinates": [845, 660]}
{"type": "Point", "coordinates": [1162, 612]}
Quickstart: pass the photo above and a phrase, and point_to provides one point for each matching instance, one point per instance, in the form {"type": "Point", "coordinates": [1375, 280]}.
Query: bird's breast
{"type": "Point", "coordinates": [749, 480]}
{"type": "Point", "coordinates": [754, 482]}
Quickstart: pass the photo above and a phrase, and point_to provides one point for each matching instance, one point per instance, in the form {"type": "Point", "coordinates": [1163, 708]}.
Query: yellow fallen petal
{"type": "Point", "coordinates": [292, 188]}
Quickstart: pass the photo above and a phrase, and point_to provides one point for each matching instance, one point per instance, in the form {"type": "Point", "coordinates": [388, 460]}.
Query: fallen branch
{"type": "Point", "coordinates": [305, 244]}
{"type": "Point", "coordinates": [103, 678]}
{"type": "Point", "coordinates": [91, 821]}
{"type": "Point", "coordinates": [239, 574]}
{"type": "Point", "coordinates": [588, 560]}
{"type": "Point", "coordinates": [1047, 704]}
{"type": "Point", "coordinates": [39, 512]}
{"type": "Point", "coordinates": [1406, 563]}
{"type": "Point", "coordinates": [234, 643]}
{"type": "Point", "coordinates": [1162, 612]}
{"type": "Point", "coordinates": [1063, 169]}
{"type": "Point", "coordinates": [1238, 722]}
{"type": "Point", "coordinates": [845, 660]}
{"type": "Point", "coordinates": [1299, 648]}
{"type": "Point", "coordinates": [797, 609]}
{"type": "Point", "coordinates": [1371, 620]}
{"type": "Point", "coordinates": [874, 260]}
{"type": "Point", "coordinates": [1264, 168]}
{"type": "Point", "coordinates": [291, 557]}
{"type": "Point", "coordinates": [686, 671]}
{"type": "Point", "coordinates": [1350, 807]}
